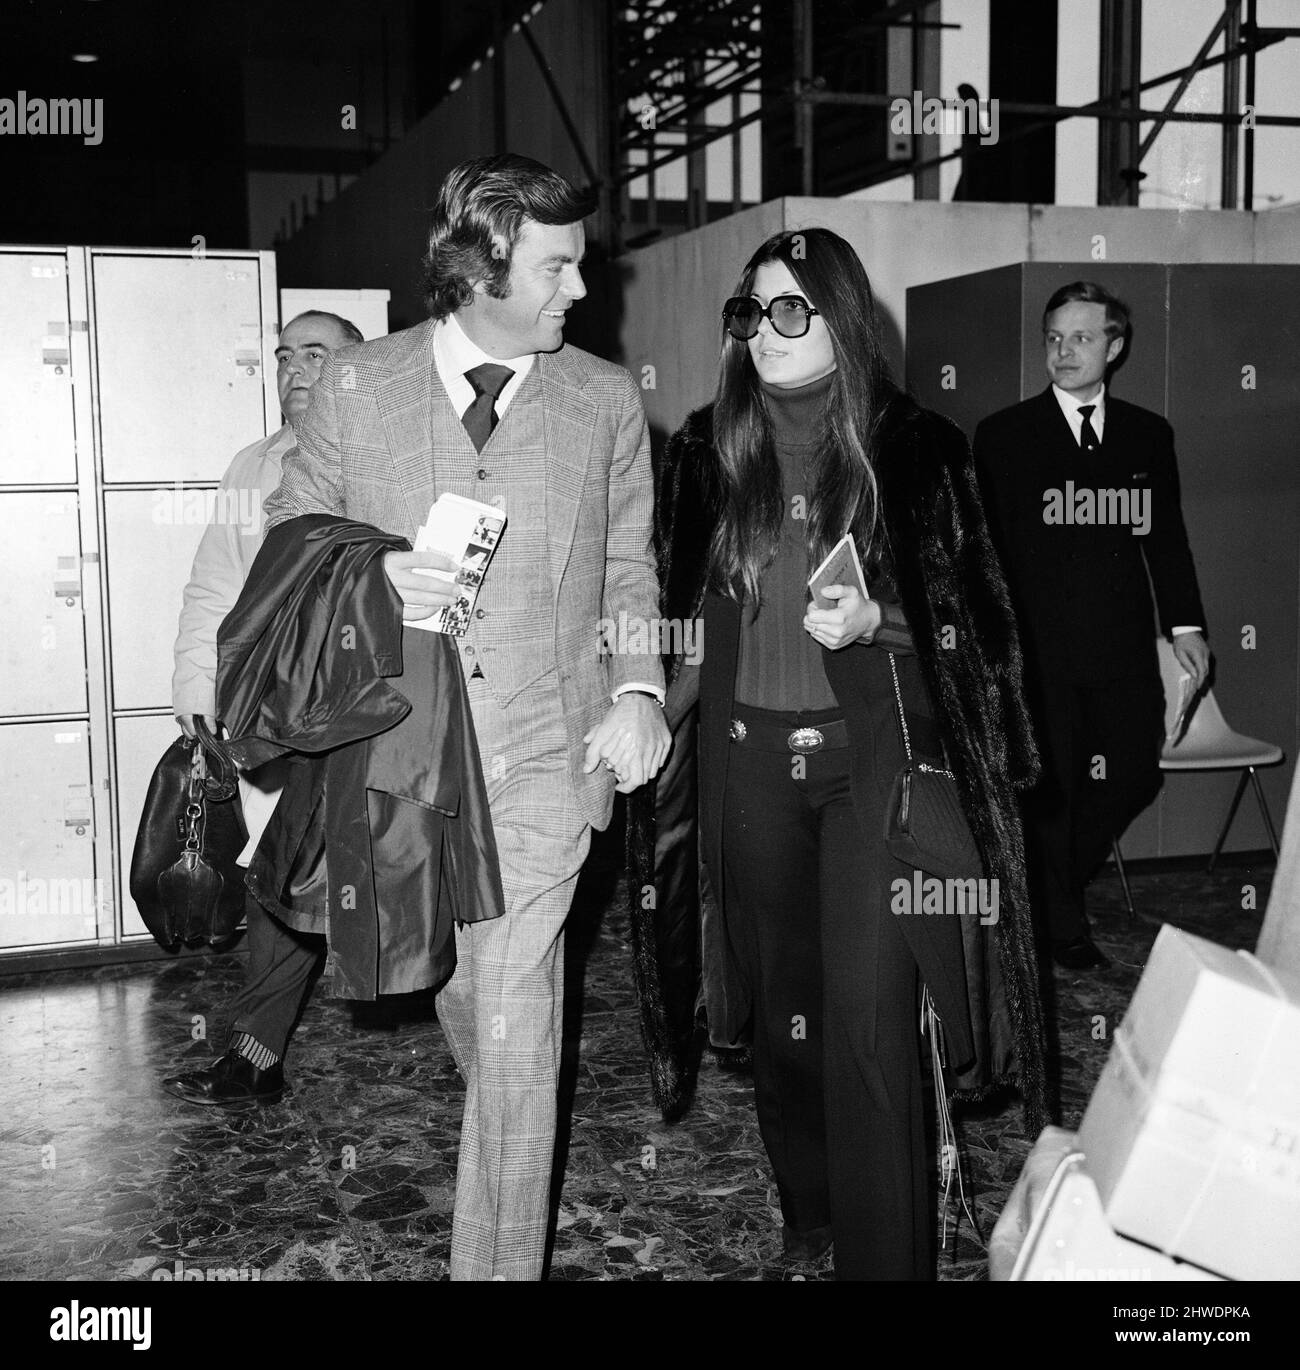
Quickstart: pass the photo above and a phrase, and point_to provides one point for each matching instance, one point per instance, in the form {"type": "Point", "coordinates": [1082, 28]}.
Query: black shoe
{"type": "Point", "coordinates": [231, 1081]}
{"type": "Point", "coordinates": [1079, 954]}
{"type": "Point", "coordinates": [811, 1245]}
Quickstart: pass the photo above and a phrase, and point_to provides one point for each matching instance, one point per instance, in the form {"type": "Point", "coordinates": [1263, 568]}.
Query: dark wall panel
{"type": "Point", "coordinates": [970, 324]}
{"type": "Point", "coordinates": [1241, 492]}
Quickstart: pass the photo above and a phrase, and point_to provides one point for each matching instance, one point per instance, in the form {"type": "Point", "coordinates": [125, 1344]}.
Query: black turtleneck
{"type": "Point", "coordinates": [780, 666]}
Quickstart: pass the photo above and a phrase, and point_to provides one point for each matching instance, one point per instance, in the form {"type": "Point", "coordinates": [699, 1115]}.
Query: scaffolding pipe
{"type": "Point", "coordinates": [1248, 157]}
{"type": "Point", "coordinates": [1231, 104]}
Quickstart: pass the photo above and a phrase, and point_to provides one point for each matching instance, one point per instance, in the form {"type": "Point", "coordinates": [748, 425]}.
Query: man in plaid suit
{"type": "Point", "coordinates": [485, 401]}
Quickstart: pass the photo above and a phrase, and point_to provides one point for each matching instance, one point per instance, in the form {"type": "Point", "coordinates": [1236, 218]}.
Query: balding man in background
{"type": "Point", "coordinates": [281, 961]}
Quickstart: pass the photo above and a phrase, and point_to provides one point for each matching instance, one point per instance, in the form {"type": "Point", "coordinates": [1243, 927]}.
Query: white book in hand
{"type": "Point", "coordinates": [1186, 694]}
{"type": "Point", "coordinates": [468, 532]}
{"type": "Point", "coordinates": [841, 567]}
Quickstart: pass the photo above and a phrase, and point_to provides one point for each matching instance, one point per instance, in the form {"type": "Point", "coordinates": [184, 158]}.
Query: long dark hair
{"type": "Point", "coordinates": [845, 495]}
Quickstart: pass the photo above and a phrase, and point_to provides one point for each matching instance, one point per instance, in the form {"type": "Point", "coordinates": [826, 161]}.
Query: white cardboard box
{"type": "Point", "coordinates": [1193, 1132]}
{"type": "Point", "coordinates": [1053, 1227]}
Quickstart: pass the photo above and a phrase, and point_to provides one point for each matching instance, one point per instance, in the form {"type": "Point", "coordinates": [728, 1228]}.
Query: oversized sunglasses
{"type": "Point", "coordinates": [790, 315]}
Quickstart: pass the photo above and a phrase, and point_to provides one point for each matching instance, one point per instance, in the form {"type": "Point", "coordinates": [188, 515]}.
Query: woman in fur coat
{"type": "Point", "coordinates": [812, 952]}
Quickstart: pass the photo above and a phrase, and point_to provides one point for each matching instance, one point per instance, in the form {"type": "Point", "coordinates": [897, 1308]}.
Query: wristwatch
{"type": "Point", "coordinates": [647, 693]}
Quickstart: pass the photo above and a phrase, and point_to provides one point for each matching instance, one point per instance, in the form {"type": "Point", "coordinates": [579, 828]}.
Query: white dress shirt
{"type": "Point", "coordinates": [1070, 408]}
{"type": "Point", "coordinates": [454, 353]}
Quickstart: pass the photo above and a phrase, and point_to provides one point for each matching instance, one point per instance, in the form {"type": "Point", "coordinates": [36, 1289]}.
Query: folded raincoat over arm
{"type": "Point", "coordinates": [382, 839]}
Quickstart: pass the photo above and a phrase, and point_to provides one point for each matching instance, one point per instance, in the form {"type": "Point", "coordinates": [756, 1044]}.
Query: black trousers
{"type": "Point", "coordinates": [837, 1077]}
{"type": "Point", "coordinates": [677, 881]}
{"type": "Point", "coordinates": [281, 963]}
{"type": "Point", "coordinates": [1101, 767]}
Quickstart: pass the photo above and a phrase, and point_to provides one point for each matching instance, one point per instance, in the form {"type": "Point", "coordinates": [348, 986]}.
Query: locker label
{"type": "Point", "coordinates": [67, 579]}
{"type": "Point", "coordinates": [78, 813]}
{"type": "Point", "coordinates": [47, 273]}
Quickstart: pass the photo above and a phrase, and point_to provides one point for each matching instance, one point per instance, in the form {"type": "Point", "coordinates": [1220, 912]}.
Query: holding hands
{"type": "Point", "coordinates": [632, 740]}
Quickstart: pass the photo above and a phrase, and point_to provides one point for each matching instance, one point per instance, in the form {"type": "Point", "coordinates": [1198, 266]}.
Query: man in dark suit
{"type": "Point", "coordinates": [1082, 497]}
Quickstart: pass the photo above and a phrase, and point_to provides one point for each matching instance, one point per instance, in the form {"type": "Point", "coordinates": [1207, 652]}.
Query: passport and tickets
{"type": "Point", "coordinates": [467, 531]}
{"type": "Point", "coordinates": [841, 567]}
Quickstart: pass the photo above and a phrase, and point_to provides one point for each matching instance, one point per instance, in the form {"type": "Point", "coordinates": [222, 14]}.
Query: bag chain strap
{"type": "Point", "coordinates": [194, 806]}
{"type": "Point", "coordinates": [902, 717]}
{"type": "Point", "coordinates": [902, 723]}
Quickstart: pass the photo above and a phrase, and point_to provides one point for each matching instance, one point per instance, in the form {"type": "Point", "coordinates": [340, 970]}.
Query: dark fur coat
{"type": "Point", "coordinates": [952, 590]}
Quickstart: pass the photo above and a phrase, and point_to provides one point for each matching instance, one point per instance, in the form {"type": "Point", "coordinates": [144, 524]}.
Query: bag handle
{"type": "Point", "coordinates": [221, 779]}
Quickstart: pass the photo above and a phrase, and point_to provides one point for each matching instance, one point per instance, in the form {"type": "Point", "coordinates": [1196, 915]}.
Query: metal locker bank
{"type": "Point", "coordinates": [128, 380]}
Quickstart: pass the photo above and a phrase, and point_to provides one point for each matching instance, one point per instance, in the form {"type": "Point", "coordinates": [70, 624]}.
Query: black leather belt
{"type": "Point", "coordinates": [780, 737]}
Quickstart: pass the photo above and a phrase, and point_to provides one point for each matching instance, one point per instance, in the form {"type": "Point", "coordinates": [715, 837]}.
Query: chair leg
{"type": "Point", "coordinates": [1263, 808]}
{"type": "Point", "coordinates": [1123, 878]}
{"type": "Point", "coordinates": [1227, 822]}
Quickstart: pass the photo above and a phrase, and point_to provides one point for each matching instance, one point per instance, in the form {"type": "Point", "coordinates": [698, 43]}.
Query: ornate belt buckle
{"type": "Point", "coordinates": [806, 740]}
{"type": "Point", "coordinates": [738, 730]}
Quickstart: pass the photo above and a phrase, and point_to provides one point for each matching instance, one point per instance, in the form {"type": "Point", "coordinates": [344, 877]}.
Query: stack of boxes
{"type": "Point", "coordinates": [1187, 1162]}
{"type": "Point", "coordinates": [1192, 1135]}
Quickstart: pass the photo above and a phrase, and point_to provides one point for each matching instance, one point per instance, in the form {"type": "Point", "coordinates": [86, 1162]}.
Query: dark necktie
{"type": "Point", "coordinates": [1088, 438]}
{"type": "Point", "coordinates": [488, 380]}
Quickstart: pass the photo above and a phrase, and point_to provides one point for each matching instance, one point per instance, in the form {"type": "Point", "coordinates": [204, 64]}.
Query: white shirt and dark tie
{"type": "Point", "coordinates": [455, 356]}
{"type": "Point", "coordinates": [1086, 418]}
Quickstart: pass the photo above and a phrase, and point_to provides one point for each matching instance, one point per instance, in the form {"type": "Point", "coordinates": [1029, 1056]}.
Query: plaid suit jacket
{"type": "Point", "coordinates": [367, 450]}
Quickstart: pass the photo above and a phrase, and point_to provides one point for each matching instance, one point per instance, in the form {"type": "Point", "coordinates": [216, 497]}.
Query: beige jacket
{"type": "Point", "coordinates": [227, 550]}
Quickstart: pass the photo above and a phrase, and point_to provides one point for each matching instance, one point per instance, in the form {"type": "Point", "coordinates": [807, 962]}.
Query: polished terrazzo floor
{"type": "Point", "coordinates": [103, 1176]}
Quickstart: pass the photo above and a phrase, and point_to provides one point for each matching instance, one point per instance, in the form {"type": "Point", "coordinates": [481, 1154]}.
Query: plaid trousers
{"type": "Point", "coordinates": [502, 1010]}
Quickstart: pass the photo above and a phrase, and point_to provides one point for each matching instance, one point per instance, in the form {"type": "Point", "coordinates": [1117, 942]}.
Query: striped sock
{"type": "Point", "coordinates": [246, 1045]}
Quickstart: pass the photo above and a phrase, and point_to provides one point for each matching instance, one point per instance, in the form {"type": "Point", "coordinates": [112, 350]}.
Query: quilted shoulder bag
{"type": "Point", "coordinates": [925, 826]}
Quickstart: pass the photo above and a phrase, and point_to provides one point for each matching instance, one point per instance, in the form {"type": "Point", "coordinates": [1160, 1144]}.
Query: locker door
{"type": "Point", "coordinates": [36, 437]}
{"type": "Point", "coordinates": [150, 540]}
{"type": "Point", "coordinates": [179, 349]}
{"type": "Point", "coordinates": [42, 628]}
{"type": "Point", "coordinates": [48, 890]}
